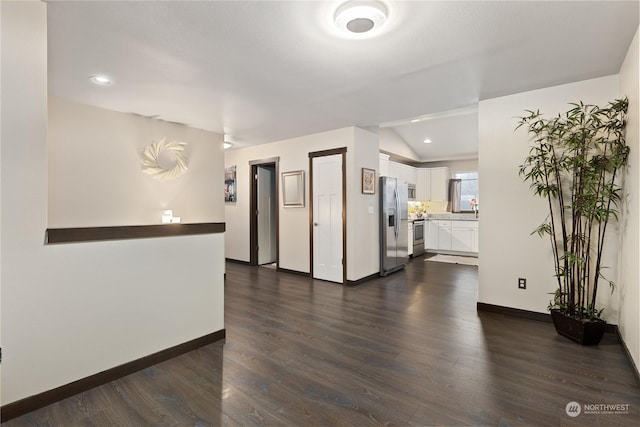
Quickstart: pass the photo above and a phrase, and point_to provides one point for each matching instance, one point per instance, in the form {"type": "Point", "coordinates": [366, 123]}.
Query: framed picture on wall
{"type": "Point", "coordinates": [230, 184]}
{"type": "Point", "coordinates": [368, 181]}
{"type": "Point", "coordinates": [293, 189]}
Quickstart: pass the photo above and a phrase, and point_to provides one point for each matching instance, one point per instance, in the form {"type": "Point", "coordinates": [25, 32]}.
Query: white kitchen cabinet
{"type": "Point", "coordinates": [403, 172]}
{"type": "Point", "coordinates": [395, 170]}
{"type": "Point", "coordinates": [432, 184]}
{"type": "Point", "coordinates": [461, 239]}
{"type": "Point", "coordinates": [474, 240]}
{"type": "Point", "coordinates": [423, 184]}
{"type": "Point", "coordinates": [384, 165]}
{"type": "Point", "coordinates": [444, 235]}
{"type": "Point", "coordinates": [431, 242]}
{"type": "Point", "coordinates": [452, 235]}
{"type": "Point", "coordinates": [439, 184]}
{"type": "Point", "coordinates": [411, 174]}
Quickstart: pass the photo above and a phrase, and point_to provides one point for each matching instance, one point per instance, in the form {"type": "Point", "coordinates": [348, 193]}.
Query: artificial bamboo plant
{"type": "Point", "coordinates": [574, 163]}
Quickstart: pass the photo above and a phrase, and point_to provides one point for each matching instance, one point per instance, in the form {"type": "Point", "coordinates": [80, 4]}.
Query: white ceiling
{"type": "Point", "coordinates": [266, 71]}
{"type": "Point", "coordinates": [453, 134]}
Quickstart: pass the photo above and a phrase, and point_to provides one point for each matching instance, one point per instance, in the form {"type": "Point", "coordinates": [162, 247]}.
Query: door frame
{"type": "Point", "coordinates": [253, 206]}
{"type": "Point", "coordinates": [324, 153]}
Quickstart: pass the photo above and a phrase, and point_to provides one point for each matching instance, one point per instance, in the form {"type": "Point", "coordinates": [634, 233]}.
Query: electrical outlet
{"type": "Point", "coordinates": [522, 283]}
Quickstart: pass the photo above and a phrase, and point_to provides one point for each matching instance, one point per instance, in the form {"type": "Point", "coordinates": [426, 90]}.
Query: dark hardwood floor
{"type": "Point", "coordinates": [408, 349]}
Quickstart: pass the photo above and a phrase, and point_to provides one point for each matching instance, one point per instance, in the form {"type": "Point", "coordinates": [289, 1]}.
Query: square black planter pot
{"type": "Point", "coordinates": [585, 332]}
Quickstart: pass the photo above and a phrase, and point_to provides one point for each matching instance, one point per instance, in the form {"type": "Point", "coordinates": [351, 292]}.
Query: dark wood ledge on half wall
{"type": "Point", "coordinates": [96, 234]}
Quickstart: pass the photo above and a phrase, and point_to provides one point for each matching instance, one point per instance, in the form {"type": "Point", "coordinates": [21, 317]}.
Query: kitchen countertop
{"type": "Point", "coordinates": [454, 216]}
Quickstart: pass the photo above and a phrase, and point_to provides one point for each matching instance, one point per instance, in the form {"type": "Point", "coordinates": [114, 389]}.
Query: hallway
{"type": "Point", "coordinates": [408, 349]}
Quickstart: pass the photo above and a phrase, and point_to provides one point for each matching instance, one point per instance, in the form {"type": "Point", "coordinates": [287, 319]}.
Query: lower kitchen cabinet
{"type": "Point", "coordinates": [461, 239]}
{"type": "Point", "coordinates": [431, 241]}
{"type": "Point", "coordinates": [464, 236]}
{"type": "Point", "coordinates": [444, 235]}
{"type": "Point", "coordinates": [474, 241]}
{"type": "Point", "coordinates": [456, 236]}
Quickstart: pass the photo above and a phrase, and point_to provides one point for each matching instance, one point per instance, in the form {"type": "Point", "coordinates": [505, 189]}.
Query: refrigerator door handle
{"type": "Point", "coordinates": [395, 206]}
{"type": "Point", "coordinates": [396, 230]}
{"type": "Point", "coordinates": [398, 210]}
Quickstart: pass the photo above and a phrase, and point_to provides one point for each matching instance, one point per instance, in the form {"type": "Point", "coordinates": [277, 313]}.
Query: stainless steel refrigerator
{"type": "Point", "coordinates": [394, 237]}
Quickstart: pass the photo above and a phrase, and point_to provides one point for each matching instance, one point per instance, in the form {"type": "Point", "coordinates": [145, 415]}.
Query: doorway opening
{"type": "Point", "coordinates": [264, 224]}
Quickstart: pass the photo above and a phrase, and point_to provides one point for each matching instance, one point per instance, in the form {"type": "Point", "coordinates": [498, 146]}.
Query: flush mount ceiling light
{"type": "Point", "coordinates": [100, 80]}
{"type": "Point", "coordinates": [228, 141]}
{"type": "Point", "coordinates": [358, 18]}
{"type": "Point", "coordinates": [427, 141]}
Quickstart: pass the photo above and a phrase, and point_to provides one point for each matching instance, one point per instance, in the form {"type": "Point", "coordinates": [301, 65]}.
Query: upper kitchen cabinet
{"type": "Point", "coordinates": [439, 183]}
{"type": "Point", "coordinates": [432, 184]}
{"type": "Point", "coordinates": [423, 185]}
{"type": "Point", "coordinates": [410, 174]}
{"type": "Point", "coordinates": [384, 165]}
{"type": "Point", "coordinates": [403, 172]}
{"type": "Point", "coordinates": [394, 170]}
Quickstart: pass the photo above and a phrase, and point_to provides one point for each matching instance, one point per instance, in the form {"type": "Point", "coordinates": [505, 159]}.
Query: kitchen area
{"type": "Point", "coordinates": [443, 207]}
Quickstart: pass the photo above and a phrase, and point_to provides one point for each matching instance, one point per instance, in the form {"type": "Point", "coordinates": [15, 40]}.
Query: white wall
{"type": "Point", "coordinates": [294, 155]}
{"type": "Point", "coordinates": [510, 211]}
{"type": "Point", "coordinates": [95, 169]}
{"type": "Point", "coordinates": [70, 311]}
{"type": "Point", "coordinates": [0, 205]}
{"type": "Point", "coordinates": [629, 282]}
{"type": "Point", "coordinates": [363, 241]}
{"type": "Point", "coordinates": [391, 143]}
{"type": "Point", "coordinates": [362, 151]}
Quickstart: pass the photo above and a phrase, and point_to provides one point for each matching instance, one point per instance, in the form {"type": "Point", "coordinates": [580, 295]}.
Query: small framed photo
{"type": "Point", "coordinates": [230, 184]}
{"type": "Point", "coordinates": [368, 181]}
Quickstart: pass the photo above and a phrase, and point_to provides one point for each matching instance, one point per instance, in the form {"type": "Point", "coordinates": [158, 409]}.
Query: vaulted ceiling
{"type": "Point", "coordinates": [263, 71]}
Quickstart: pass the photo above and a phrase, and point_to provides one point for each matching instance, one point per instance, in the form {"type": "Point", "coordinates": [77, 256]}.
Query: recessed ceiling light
{"type": "Point", "coordinates": [360, 17]}
{"type": "Point", "coordinates": [427, 141]}
{"type": "Point", "coordinates": [101, 80]}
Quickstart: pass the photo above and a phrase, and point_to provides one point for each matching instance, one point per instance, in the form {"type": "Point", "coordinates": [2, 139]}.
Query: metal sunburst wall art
{"type": "Point", "coordinates": [154, 160]}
